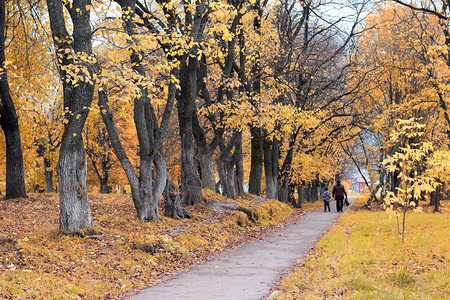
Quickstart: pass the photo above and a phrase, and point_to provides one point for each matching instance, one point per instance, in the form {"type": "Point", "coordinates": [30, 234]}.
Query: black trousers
{"type": "Point", "coordinates": [339, 204]}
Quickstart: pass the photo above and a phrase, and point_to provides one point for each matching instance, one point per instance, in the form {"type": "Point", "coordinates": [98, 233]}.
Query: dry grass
{"type": "Point", "coordinates": [363, 258]}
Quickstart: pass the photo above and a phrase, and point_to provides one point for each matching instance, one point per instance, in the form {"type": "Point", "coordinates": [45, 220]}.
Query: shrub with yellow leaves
{"type": "Point", "coordinates": [408, 163]}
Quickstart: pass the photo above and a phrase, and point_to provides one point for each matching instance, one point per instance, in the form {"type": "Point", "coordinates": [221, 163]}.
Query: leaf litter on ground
{"type": "Point", "coordinates": [119, 255]}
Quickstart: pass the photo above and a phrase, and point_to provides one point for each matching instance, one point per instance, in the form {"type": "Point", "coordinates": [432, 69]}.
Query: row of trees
{"type": "Point", "coordinates": [404, 105]}
{"type": "Point", "coordinates": [285, 92]}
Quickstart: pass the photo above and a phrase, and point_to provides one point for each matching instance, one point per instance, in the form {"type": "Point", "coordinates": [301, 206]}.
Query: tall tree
{"type": "Point", "coordinates": [147, 186]}
{"type": "Point", "coordinates": [440, 10]}
{"type": "Point", "coordinates": [195, 18]}
{"type": "Point", "coordinates": [402, 61]}
{"type": "Point", "coordinates": [34, 87]}
{"type": "Point", "coordinates": [76, 70]}
{"type": "Point", "coordinates": [15, 177]}
{"type": "Point", "coordinates": [257, 139]}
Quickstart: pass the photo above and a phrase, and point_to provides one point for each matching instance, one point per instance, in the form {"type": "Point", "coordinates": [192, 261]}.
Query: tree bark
{"type": "Point", "coordinates": [271, 153]}
{"type": "Point", "coordinates": [151, 181]}
{"type": "Point", "coordinates": [15, 176]}
{"type": "Point", "coordinates": [316, 192]}
{"type": "Point", "coordinates": [231, 179]}
{"type": "Point", "coordinates": [48, 176]}
{"type": "Point", "coordinates": [142, 115]}
{"type": "Point", "coordinates": [283, 194]}
{"type": "Point", "coordinates": [225, 167]}
{"type": "Point", "coordinates": [239, 164]}
{"type": "Point", "coordinates": [75, 212]}
{"type": "Point", "coordinates": [256, 167]}
{"type": "Point", "coordinates": [256, 161]}
{"type": "Point", "coordinates": [226, 163]}
{"type": "Point", "coordinates": [222, 176]}
{"type": "Point", "coordinates": [205, 152]}
{"type": "Point", "coordinates": [191, 185]}
{"type": "Point", "coordinates": [207, 170]}
{"type": "Point", "coordinates": [405, 209]}
{"type": "Point", "coordinates": [172, 203]}
{"type": "Point", "coordinates": [104, 185]}
{"type": "Point", "coordinates": [302, 194]}
{"type": "Point", "coordinates": [436, 198]}
{"type": "Point", "coordinates": [160, 177]}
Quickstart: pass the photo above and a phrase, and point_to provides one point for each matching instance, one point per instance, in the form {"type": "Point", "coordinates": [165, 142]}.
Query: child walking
{"type": "Point", "coordinates": [326, 199]}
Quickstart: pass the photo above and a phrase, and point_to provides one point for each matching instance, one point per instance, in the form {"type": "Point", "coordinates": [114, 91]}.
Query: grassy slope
{"type": "Point", "coordinates": [121, 253]}
{"type": "Point", "coordinates": [362, 257]}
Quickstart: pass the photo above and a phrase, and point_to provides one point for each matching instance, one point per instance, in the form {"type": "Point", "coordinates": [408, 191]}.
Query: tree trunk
{"type": "Point", "coordinates": [271, 167]}
{"type": "Point", "coordinates": [104, 185]}
{"type": "Point", "coordinates": [15, 178]}
{"type": "Point", "coordinates": [394, 182]}
{"type": "Point", "coordinates": [146, 189]}
{"type": "Point", "coordinates": [283, 194]}
{"type": "Point", "coordinates": [150, 135]}
{"type": "Point", "coordinates": [314, 192]}
{"type": "Point", "coordinates": [172, 204]}
{"type": "Point", "coordinates": [226, 163]}
{"type": "Point", "coordinates": [230, 179]}
{"type": "Point", "coordinates": [299, 194]}
{"type": "Point", "coordinates": [225, 167]}
{"type": "Point", "coordinates": [160, 177]}
{"type": "Point", "coordinates": [437, 200]}
{"type": "Point", "coordinates": [256, 167]}
{"type": "Point", "coordinates": [48, 176]}
{"type": "Point", "coordinates": [207, 169]}
{"type": "Point", "coordinates": [191, 185]}
{"type": "Point", "coordinates": [205, 151]}
{"type": "Point", "coordinates": [310, 193]}
{"type": "Point", "coordinates": [148, 211]}
{"type": "Point", "coordinates": [105, 177]}
{"type": "Point", "coordinates": [239, 162]}
{"type": "Point", "coordinates": [75, 211]}
{"type": "Point", "coordinates": [105, 162]}
{"type": "Point", "coordinates": [256, 163]}
{"type": "Point", "coordinates": [222, 176]}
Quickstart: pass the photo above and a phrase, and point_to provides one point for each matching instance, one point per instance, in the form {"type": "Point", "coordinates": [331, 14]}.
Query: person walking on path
{"type": "Point", "coordinates": [326, 197]}
{"type": "Point", "coordinates": [338, 194]}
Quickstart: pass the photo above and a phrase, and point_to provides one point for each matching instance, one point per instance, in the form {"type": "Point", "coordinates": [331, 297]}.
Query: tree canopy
{"type": "Point", "coordinates": [162, 99]}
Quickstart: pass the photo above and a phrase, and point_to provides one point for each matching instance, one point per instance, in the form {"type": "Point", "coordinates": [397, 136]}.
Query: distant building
{"type": "Point", "coordinates": [357, 183]}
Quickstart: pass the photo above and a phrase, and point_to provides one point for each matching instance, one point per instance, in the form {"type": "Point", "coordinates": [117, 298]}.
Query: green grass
{"type": "Point", "coordinates": [363, 257]}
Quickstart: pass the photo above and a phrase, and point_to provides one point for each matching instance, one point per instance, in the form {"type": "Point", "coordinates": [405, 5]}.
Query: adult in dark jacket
{"type": "Point", "coordinates": [339, 193]}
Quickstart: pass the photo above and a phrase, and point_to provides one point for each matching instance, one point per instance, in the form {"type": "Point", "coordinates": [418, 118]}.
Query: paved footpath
{"type": "Point", "coordinates": [250, 271]}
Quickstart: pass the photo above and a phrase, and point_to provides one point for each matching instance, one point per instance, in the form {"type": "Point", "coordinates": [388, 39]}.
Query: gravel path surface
{"type": "Point", "coordinates": [250, 271]}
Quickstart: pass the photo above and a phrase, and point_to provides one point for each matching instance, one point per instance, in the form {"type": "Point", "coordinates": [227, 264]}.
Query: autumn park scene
{"type": "Point", "coordinates": [244, 149]}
